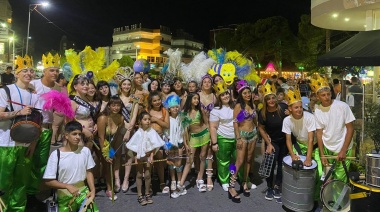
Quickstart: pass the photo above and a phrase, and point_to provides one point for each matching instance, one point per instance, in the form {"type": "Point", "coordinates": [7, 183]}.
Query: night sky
{"type": "Point", "coordinates": [91, 22]}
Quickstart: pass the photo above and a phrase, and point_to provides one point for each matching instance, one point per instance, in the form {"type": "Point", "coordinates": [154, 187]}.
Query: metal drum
{"type": "Point", "coordinates": [335, 196]}
{"type": "Point", "coordinates": [373, 170]}
{"type": "Point", "coordinates": [298, 186]}
{"type": "Point", "coordinates": [364, 198]}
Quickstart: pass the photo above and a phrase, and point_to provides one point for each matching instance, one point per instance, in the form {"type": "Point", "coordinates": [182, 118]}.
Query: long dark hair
{"type": "Point", "coordinates": [158, 87]}
{"type": "Point", "coordinates": [100, 84]}
{"type": "Point", "coordinates": [150, 98]}
{"type": "Point", "coordinates": [177, 79]}
{"type": "Point", "coordinates": [241, 101]}
{"type": "Point", "coordinates": [188, 105]}
{"type": "Point", "coordinates": [113, 100]}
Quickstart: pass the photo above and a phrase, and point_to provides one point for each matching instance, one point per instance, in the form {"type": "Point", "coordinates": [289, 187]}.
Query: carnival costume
{"type": "Point", "coordinates": [332, 121]}
{"type": "Point", "coordinates": [15, 167]}
{"type": "Point", "coordinates": [144, 141]}
{"type": "Point", "coordinates": [225, 137]}
{"type": "Point", "coordinates": [300, 129]}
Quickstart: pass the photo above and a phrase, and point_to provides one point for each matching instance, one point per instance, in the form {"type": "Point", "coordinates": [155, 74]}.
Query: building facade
{"type": "Point", "coordinates": [150, 44]}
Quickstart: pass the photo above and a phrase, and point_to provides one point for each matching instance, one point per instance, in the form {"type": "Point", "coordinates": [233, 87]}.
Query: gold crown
{"type": "Point", "coordinates": [124, 73]}
{"type": "Point", "coordinates": [23, 63]}
{"type": "Point", "coordinates": [50, 60]}
{"type": "Point", "coordinates": [220, 87]}
{"type": "Point", "coordinates": [293, 96]}
{"type": "Point", "coordinates": [268, 89]}
{"type": "Point", "coordinates": [317, 82]}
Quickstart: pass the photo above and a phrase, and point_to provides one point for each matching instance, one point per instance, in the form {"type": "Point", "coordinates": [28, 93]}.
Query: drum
{"type": "Point", "coordinates": [335, 196]}
{"type": "Point", "coordinates": [373, 170]}
{"type": "Point", "coordinates": [298, 186]}
{"type": "Point", "coordinates": [26, 129]}
{"type": "Point", "coordinates": [364, 198]}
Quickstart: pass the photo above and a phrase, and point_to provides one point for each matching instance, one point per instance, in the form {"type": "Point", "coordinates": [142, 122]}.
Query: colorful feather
{"type": "Point", "coordinates": [57, 101]}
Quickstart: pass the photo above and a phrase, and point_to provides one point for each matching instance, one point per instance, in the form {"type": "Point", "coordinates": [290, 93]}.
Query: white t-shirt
{"type": "Point", "coordinates": [225, 118]}
{"type": "Point", "coordinates": [72, 165]}
{"type": "Point", "coordinates": [333, 120]}
{"type": "Point", "coordinates": [27, 98]}
{"type": "Point", "coordinates": [299, 127]}
{"type": "Point", "coordinates": [41, 89]}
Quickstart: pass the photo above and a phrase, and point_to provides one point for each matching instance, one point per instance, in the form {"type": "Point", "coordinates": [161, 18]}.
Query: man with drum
{"type": "Point", "coordinates": [334, 123]}
{"type": "Point", "coordinates": [16, 100]}
{"type": "Point", "coordinates": [302, 125]}
{"type": "Point", "coordinates": [42, 151]}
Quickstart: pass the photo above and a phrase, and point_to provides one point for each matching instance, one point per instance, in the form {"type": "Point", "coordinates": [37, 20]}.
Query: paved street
{"type": "Point", "coordinates": [216, 200]}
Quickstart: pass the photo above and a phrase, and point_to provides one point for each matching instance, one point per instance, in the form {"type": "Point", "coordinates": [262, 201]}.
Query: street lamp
{"type": "Point", "coordinates": [13, 45]}
{"type": "Point", "coordinates": [31, 8]}
{"type": "Point", "coordinates": [137, 47]}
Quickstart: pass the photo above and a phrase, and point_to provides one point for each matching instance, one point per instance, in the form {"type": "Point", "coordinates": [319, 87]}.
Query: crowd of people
{"type": "Point", "coordinates": [174, 124]}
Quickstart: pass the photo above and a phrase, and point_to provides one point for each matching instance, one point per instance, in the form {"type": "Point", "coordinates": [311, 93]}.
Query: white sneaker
{"type": "Point", "coordinates": [253, 186]}
{"type": "Point", "coordinates": [175, 195]}
{"type": "Point", "coordinates": [201, 186]}
{"type": "Point", "coordinates": [225, 187]}
{"type": "Point", "coordinates": [181, 190]}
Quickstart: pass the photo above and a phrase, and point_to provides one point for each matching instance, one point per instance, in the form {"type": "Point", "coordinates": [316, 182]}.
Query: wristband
{"type": "Point", "coordinates": [214, 144]}
{"type": "Point", "coordinates": [238, 138]}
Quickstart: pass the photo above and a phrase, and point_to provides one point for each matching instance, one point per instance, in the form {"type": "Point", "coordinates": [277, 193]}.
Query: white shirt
{"type": "Point", "coordinates": [299, 127]}
{"type": "Point", "coordinates": [332, 120]}
{"type": "Point", "coordinates": [144, 141]}
{"type": "Point", "coordinates": [27, 98]}
{"type": "Point", "coordinates": [41, 89]}
{"type": "Point", "coordinates": [72, 166]}
{"type": "Point", "coordinates": [225, 118]}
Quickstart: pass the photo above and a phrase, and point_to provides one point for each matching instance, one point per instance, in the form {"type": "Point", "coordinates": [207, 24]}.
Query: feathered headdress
{"type": "Point", "coordinates": [231, 64]}
{"type": "Point", "coordinates": [171, 101]}
{"type": "Point", "coordinates": [197, 68]}
{"type": "Point", "coordinates": [90, 63]}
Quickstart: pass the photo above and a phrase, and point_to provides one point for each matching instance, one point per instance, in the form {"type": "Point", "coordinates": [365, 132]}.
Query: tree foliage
{"type": "Point", "coordinates": [126, 61]}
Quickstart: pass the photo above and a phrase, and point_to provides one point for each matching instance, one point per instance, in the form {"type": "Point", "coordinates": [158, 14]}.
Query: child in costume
{"type": "Point", "coordinates": [74, 167]}
{"type": "Point", "coordinates": [174, 146]}
{"type": "Point", "coordinates": [144, 143]}
{"type": "Point", "coordinates": [196, 136]}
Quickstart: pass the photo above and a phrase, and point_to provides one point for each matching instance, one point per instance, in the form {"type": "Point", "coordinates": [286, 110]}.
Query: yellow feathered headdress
{"type": "Point", "coordinates": [242, 67]}
{"type": "Point", "coordinates": [90, 63]}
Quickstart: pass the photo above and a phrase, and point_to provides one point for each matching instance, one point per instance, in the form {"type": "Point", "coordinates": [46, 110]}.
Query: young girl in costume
{"type": "Point", "coordinates": [144, 143]}
{"type": "Point", "coordinates": [196, 136]}
{"type": "Point", "coordinates": [130, 107]}
{"type": "Point", "coordinates": [159, 122]}
{"type": "Point", "coordinates": [111, 132]}
{"type": "Point", "coordinates": [207, 102]}
{"type": "Point", "coordinates": [245, 122]}
{"type": "Point", "coordinates": [175, 139]}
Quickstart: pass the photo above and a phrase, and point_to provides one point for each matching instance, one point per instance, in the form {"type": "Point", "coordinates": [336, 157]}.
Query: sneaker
{"type": "Point", "coordinates": [276, 192]}
{"type": "Point", "coordinates": [201, 186]}
{"type": "Point", "coordinates": [253, 186]}
{"type": "Point", "coordinates": [109, 195]}
{"type": "Point", "coordinates": [225, 187]}
{"type": "Point", "coordinates": [181, 190]}
{"type": "Point", "coordinates": [174, 194]}
{"type": "Point", "coordinates": [279, 200]}
{"type": "Point", "coordinates": [269, 194]}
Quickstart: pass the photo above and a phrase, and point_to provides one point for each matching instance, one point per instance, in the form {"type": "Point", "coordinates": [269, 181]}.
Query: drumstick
{"type": "Point", "coordinates": [335, 157]}
{"type": "Point", "coordinates": [2, 205]}
{"type": "Point", "coordinates": [16, 103]}
{"type": "Point", "coordinates": [87, 203]}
